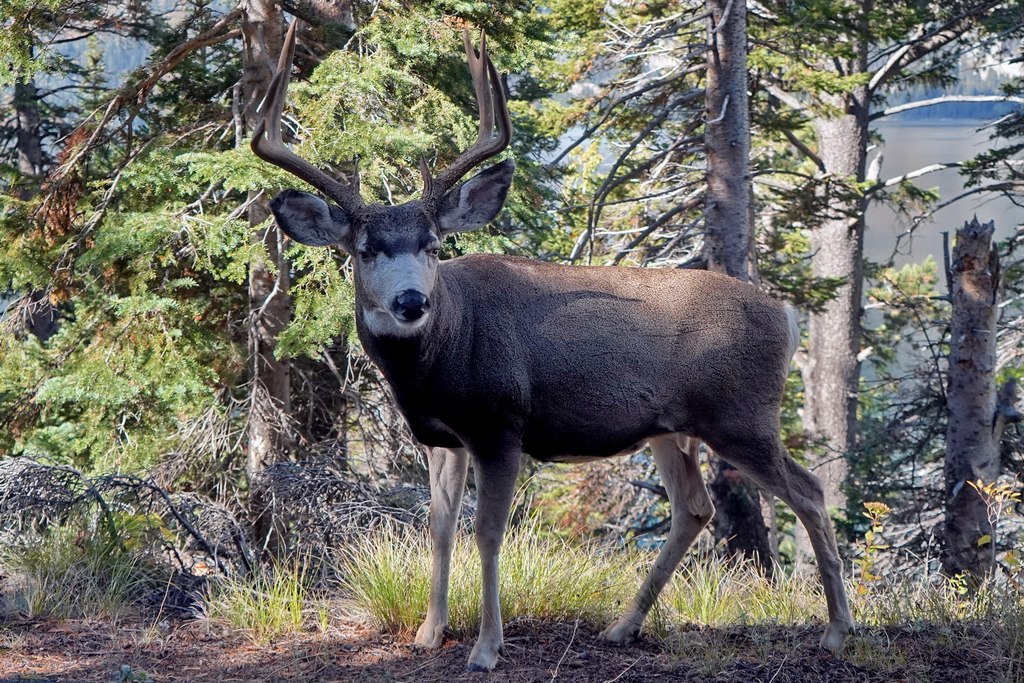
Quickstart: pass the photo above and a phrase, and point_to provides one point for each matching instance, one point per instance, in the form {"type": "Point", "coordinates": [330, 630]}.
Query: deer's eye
{"type": "Point", "coordinates": [366, 255]}
{"type": "Point", "coordinates": [434, 251]}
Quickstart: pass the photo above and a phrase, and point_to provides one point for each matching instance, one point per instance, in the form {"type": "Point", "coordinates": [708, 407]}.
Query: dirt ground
{"type": "Point", "coordinates": [201, 651]}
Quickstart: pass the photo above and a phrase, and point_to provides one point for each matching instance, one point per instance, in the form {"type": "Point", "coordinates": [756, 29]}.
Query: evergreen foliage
{"type": "Point", "coordinates": [142, 243]}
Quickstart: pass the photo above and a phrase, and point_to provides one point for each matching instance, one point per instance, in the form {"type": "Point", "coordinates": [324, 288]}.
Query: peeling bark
{"type": "Point", "coordinates": [972, 446]}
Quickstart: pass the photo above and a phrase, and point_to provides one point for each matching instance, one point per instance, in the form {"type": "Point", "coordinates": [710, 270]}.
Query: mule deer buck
{"type": "Point", "coordinates": [491, 356]}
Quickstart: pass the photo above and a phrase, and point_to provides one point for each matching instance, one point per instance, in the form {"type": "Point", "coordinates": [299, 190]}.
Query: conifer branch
{"type": "Point", "coordinates": [138, 91]}
{"type": "Point", "coordinates": [929, 42]}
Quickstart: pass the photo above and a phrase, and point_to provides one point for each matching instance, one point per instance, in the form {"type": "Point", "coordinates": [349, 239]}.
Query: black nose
{"type": "Point", "coordinates": [410, 305]}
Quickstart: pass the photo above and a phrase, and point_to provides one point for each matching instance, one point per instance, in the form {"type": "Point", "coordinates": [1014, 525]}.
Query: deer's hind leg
{"type": "Point", "coordinates": [676, 458]}
{"type": "Point", "coordinates": [763, 458]}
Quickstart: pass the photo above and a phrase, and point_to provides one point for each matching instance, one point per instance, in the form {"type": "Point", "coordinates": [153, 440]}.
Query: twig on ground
{"type": "Point", "coordinates": [561, 659]}
{"type": "Point", "coordinates": [624, 671]}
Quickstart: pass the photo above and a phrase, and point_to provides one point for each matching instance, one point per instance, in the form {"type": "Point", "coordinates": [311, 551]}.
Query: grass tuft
{"type": "Point", "coordinates": [542, 577]}
{"type": "Point", "coordinates": [386, 574]}
{"type": "Point", "coordinates": [713, 591]}
{"type": "Point", "coordinates": [934, 600]}
{"type": "Point", "coordinates": [267, 605]}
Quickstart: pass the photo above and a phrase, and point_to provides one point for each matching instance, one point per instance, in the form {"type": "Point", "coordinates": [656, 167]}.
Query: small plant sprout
{"type": "Point", "coordinates": [1000, 499]}
{"type": "Point", "coordinates": [876, 513]}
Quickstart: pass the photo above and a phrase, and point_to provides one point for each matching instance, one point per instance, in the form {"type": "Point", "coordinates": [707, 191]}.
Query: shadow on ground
{"type": "Point", "coordinates": [201, 651]}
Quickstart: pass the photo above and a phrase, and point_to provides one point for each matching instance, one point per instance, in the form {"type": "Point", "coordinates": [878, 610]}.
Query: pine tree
{"type": "Point", "coordinates": [139, 232]}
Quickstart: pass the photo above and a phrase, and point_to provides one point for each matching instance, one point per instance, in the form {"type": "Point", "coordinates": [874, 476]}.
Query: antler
{"type": "Point", "coordinates": [490, 99]}
{"type": "Point", "coordinates": [268, 145]}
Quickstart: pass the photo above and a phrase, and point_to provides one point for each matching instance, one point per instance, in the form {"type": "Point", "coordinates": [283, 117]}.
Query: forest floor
{"type": "Point", "coordinates": [200, 650]}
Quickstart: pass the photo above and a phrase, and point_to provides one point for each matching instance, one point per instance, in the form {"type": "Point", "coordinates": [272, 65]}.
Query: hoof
{"type": "Point", "coordinates": [621, 632]}
{"type": "Point", "coordinates": [430, 636]}
{"type": "Point", "coordinates": [834, 638]}
{"type": "Point", "coordinates": [476, 668]}
{"type": "Point", "coordinates": [483, 657]}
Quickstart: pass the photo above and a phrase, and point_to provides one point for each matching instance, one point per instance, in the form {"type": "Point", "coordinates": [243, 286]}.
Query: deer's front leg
{"type": "Point", "coordinates": [496, 473]}
{"type": "Point", "coordinates": [447, 482]}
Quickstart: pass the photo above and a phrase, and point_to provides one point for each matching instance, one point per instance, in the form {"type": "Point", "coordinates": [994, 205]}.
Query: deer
{"type": "Point", "coordinates": [492, 356]}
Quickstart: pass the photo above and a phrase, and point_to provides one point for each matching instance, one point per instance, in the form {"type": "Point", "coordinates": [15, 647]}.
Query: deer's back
{"type": "Point", "coordinates": [596, 359]}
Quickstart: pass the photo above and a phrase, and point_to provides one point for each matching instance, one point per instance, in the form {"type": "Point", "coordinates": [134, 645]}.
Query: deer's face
{"type": "Point", "coordinates": [395, 259]}
{"type": "Point", "coordinates": [395, 249]}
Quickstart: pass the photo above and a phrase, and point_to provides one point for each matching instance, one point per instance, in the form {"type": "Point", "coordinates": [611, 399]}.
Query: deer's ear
{"type": "Point", "coordinates": [307, 219]}
{"type": "Point", "coordinates": [476, 202]}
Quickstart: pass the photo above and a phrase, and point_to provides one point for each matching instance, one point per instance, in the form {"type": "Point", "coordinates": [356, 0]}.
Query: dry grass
{"type": "Point", "coordinates": [67, 575]}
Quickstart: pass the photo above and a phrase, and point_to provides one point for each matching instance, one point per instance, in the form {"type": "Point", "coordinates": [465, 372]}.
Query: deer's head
{"type": "Point", "coordinates": [394, 248]}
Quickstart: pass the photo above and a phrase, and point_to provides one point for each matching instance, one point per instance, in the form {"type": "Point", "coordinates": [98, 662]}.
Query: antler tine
{"type": "Point", "coordinates": [479, 71]}
{"type": "Point", "coordinates": [267, 142]}
{"type": "Point", "coordinates": [491, 105]}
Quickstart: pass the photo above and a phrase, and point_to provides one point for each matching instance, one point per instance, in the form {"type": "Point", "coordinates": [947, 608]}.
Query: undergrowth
{"type": "Point", "coordinates": [385, 576]}
{"type": "Point", "coordinates": [69, 573]}
{"type": "Point", "coordinates": [266, 605]}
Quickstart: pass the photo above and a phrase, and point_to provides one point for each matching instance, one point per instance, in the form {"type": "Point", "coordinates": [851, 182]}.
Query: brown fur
{"type": "Point", "coordinates": [566, 362]}
{"type": "Point", "coordinates": [586, 361]}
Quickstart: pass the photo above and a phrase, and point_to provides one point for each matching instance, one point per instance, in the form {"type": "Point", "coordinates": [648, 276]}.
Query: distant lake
{"type": "Point", "coordinates": [914, 144]}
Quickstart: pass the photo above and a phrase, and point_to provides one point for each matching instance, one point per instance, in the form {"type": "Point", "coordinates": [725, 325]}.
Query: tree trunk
{"type": "Point", "coordinates": [269, 303]}
{"type": "Point", "coordinates": [30, 148]}
{"type": "Point", "coordinates": [972, 449]}
{"type": "Point", "coordinates": [39, 316]}
{"type": "Point", "coordinates": [727, 209]}
{"type": "Point", "coordinates": [837, 245]}
{"type": "Point", "coordinates": [738, 521]}
{"type": "Point", "coordinates": [832, 371]}
{"type": "Point", "coordinates": [322, 12]}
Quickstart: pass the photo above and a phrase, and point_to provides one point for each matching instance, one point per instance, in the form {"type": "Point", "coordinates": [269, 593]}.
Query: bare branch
{"type": "Point", "coordinates": [786, 98]}
{"type": "Point", "coordinates": [917, 173]}
{"type": "Point", "coordinates": [610, 180]}
{"type": "Point", "coordinates": [804, 149]}
{"type": "Point", "coordinates": [898, 54]}
{"type": "Point", "coordinates": [1016, 186]}
{"type": "Point", "coordinates": [139, 91]}
{"type": "Point", "coordinates": [618, 101]}
{"type": "Point", "coordinates": [694, 200]}
{"type": "Point", "coordinates": [944, 100]}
